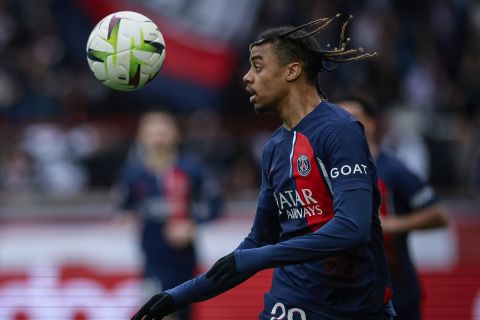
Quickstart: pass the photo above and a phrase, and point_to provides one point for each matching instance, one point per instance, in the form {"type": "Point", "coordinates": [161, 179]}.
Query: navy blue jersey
{"type": "Point", "coordinates": [317, 224]}
{"type": "Point", "coordinates": [402, 193]}
{"type": "Point", "coordinates": [184, 191]}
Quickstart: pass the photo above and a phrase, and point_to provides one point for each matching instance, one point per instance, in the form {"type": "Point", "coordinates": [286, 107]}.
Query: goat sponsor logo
{"type": "Point", "coordinates": [347, 170]}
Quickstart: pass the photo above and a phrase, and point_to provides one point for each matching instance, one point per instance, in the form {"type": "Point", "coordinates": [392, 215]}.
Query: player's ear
{"type": "Point", "coordinates": [293, 71]}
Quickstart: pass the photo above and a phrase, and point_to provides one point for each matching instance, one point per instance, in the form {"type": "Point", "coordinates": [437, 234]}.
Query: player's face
{"type": "Point", "coordinates": [265, 80]}
{"type": "Point", "coordinates": [158, 132]}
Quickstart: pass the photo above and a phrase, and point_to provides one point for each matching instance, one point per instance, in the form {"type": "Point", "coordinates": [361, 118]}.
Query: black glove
{"type": "Point", "coordinates": [156, 308]}
{"type": "Point", "coordinates": [224, 269]}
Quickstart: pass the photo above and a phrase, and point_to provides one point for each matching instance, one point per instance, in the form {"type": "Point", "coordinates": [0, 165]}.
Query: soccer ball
{"type": "Point", "coordinates": [125, 50]}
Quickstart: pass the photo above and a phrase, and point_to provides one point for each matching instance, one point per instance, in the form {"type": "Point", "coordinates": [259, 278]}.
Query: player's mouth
{"type": "Point", "coordinates": [253, 95]}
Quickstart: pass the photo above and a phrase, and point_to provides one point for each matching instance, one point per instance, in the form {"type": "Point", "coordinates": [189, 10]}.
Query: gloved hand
{"type": "Point", "coordinates": [224, 269]}
{"type": "Point", "coordinates": [156, 308]}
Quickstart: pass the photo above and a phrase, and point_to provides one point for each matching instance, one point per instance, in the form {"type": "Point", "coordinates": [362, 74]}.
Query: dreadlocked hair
{"type": "Point", "coordinates": [297, 44]}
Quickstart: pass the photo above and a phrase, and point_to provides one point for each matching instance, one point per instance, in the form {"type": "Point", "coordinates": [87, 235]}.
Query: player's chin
{"type": "Point", "coordinates": [261, 108]}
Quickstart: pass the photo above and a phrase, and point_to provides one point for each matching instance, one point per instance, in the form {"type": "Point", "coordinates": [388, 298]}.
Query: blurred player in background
{"type": "Point", "coordinates": [408, 203]}
{"type": "Point", "coordinates": [317, 219]}
{"type": "Point", "coordinates": [170, 195]}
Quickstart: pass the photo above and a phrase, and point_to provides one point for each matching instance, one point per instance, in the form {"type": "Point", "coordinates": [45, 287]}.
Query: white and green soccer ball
{"type": "Point", "coordinates": [125, 50]}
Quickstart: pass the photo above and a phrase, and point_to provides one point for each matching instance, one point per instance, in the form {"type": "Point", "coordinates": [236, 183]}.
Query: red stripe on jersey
{"type": "Point", "coordinates": [388, 238]}
{"type": "Point", "coordinates": [383, 198]}
{"type": "Point", "coordinates": [311, 188]}
{"type": "Point", "coordinates": [176, 184]}
{"type": "Point", "coordinates": [388, 295]}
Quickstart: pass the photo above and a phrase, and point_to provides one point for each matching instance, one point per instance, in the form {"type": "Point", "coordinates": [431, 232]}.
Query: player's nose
{"type": "Point", "coordinates": [247, 77]}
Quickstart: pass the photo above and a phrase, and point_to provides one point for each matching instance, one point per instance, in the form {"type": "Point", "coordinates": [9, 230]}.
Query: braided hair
{"type": "Point", "coordinates": [297, 44]}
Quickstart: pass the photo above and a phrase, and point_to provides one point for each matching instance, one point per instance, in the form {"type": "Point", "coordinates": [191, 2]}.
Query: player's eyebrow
{"type": "Point", "coordinates": [256, 57]}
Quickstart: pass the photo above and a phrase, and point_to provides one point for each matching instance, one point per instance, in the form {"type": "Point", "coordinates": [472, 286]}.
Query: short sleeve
{"type": "Point", "coordinates": [416, 192]}
{"type": "Point", "coordinates": [206, 195]}
{"type": "Point", "coordinates": [124, 196]}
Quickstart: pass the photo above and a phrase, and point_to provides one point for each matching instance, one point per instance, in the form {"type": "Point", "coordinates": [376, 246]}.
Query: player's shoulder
{"type": "Point", "coordinates": [388, 165]}
{"type": "Point", "coordinates": [269, 147]}
{"type": "Point", "coordinates": [189, 165]}
{"type": "Point", "coordinates": [329, 123]}
{"type": "Point", "coordinates": [330, 117]}
{"type": "Point", "coordinates": [132, 170]}
{"type": "Point", "coordinates": [335, 109]}
{"type": "Point", "coordinates": [389, 161]}
{"type": "Point", "coordinates": [275, 138]}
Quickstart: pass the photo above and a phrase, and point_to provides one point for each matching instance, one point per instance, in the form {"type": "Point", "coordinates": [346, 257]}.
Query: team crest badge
{"type": "Point", "coordinates": [303, 165]}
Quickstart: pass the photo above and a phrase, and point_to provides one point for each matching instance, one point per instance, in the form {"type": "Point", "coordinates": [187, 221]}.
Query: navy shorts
{"type": "Point", "coordinates": [277, 310]}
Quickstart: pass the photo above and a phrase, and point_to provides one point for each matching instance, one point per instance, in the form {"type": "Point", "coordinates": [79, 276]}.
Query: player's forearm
{"type": "Point", "coordinates": [248, 243]}
{"type": "Point", "coordinates": [349, 228]}
{"type": "Point", "coordinates": [428, 218]}
{"type": "Point", "coordinates": [200, 288]}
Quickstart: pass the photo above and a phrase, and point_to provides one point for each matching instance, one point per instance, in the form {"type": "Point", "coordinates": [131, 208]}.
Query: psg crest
{"type": "Point", "coordinates": [303, 165]}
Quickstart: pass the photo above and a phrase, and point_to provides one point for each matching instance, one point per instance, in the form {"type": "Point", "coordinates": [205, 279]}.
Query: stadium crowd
{"type": "Point", "coordinates": [64, 133]}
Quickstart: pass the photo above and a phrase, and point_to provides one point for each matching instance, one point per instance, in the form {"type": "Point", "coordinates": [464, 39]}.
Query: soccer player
{"type": "Point", "coordinates": [407, 203]}
{"type": "Point", "coordinates": [165, 191]}
{"type": "Point", "coordinates": [317, 219]}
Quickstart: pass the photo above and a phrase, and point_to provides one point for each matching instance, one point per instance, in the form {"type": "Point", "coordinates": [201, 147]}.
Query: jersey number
{"type": "Point", "coordinates": [289, 313]}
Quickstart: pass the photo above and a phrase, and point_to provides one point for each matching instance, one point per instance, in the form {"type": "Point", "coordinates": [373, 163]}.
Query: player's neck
{"type": "Point", "coordinates": [160, 160]}
{"type": "Point", "coordinates": [373, 150]}
{"type": "Point", "coordinates": [297, 104]}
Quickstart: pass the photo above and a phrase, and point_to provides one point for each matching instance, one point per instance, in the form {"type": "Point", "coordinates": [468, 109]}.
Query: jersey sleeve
{"type": "Point", "coordinates": [206, 197]}
{"type": "Point", "coordinates": [347, 157]}
{"type": "Point", "coordinates": [123, 190]}
{"type": "Point", "coordinates": [200, 289]}
{"type": "Point", "coordinates": [349, 228]}
{"type": "Point", "coordinates": [414, 191]}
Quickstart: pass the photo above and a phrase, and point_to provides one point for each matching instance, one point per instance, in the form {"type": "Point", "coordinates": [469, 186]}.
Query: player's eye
{"type": "Point", "coordinates": [257, 68]}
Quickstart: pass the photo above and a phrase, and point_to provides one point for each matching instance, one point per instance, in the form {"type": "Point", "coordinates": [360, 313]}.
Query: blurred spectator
{"type": "Point", "coordinates": [57, 171]}
{"type": "Point", "coordinates": [207, 141]}
{"type": "Point", "coordinates": [102, 148]}
{"type": "Point", "coordinates": [16, 172]}
{"type": "Point", "coordinates": [170, 194]}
